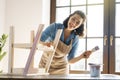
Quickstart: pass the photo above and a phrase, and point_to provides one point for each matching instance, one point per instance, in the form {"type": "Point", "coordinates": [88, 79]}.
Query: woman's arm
{"type": "Point", "coordinates": [75, 59]}
{"type": "Point", "coordinates": [49, 33]}
{"type": "Point", "coordinates": [86, 54]}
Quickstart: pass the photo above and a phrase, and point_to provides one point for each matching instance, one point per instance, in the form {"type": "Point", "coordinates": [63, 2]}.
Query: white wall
{"type": "Point", "coordinates": [46, 12]}
{"type": "Point", "coordinates": [24, 15]}
{"type": "Point", "coordinates": [2, 16]}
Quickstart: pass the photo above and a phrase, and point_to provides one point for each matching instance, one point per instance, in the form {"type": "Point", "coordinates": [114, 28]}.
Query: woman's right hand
{"type": "Point", "coordinates": [49, 44]}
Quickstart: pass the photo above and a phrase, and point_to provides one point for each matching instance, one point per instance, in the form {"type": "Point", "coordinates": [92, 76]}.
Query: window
{"type": "Point", "coordinates": [102, 27]}
{"type": "Point", "coordinates": [117, 37]}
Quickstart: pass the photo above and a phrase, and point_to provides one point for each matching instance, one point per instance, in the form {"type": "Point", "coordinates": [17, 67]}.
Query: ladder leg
{"type": "Point", "coordinates": [33, 49]}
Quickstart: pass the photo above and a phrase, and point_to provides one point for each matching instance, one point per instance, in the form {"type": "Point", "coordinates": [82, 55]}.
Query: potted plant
{"type": "Point", "coordinates": [3, 39]}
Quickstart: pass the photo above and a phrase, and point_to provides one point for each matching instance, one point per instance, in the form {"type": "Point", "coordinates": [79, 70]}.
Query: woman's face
{"type": "Point", "coordinates": [74, 22]}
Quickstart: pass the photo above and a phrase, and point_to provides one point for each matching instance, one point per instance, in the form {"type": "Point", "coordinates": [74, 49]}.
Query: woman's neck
{"type": "Point", "coordinates": [66, 34]}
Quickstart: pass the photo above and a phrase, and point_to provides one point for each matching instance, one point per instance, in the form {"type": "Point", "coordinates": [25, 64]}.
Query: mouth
{"type": "Point", "coordinates": [70, 26]}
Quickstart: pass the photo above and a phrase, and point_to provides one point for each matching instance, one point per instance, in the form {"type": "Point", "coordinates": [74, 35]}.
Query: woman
{"type": "Point", "coordinates": [73, 28]}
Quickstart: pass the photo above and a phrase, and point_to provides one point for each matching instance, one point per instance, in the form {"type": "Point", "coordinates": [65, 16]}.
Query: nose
{"type": "Point", "coordinates": [73, 23]}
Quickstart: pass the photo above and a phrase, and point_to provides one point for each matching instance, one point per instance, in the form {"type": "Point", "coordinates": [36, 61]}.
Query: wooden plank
{"type": "Point", "coordinates": [29, 46]}
{"type": "Point", "coordinates": [11, 50]}
{"type": "Point", "coordinates": [55, 43]}
{"type": "Point", "coordinates": [32, 51]}
{"type": "Point", "coordinates": [32, 36]}
{"type": "Point", "coordinates": [31, 41]}
{"type": "Point", "coordinates": [23, 45]}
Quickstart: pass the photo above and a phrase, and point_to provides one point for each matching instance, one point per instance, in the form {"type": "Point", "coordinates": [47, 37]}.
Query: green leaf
{"type": "Point", "coordinates": [4, 36]}
{"type": "Point", "coordinates": [2, 43]}
{"type": "Point", "coordinates": [2, 55]}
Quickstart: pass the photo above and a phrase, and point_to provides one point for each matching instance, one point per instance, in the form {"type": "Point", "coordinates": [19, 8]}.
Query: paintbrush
{"type": "Point", "coordinates": [93, 49]}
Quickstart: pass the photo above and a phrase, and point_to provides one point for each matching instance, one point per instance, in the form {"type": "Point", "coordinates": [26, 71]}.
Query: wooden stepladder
{"type": "Point", "coordinates": [29, 69]}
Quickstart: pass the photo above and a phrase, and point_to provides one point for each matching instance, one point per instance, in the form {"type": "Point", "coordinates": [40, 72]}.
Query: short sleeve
{"type": "Point", "coordinates": [49, 33]}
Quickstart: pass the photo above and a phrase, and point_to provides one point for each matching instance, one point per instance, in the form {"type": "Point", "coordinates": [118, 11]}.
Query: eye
{"type": "Point", "coordinates": [78, 22]}
{"type": "Point", "coordinates": [73, 19]}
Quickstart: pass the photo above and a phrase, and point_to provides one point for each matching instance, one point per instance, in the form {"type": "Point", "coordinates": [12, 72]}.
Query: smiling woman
{"type": "Point", "coordinates": [94, 26]}
{"type": "Point", "coordinates": [73, 28]}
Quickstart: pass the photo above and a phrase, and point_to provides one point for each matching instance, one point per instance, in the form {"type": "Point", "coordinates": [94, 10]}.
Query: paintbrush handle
{"type": "Point", "coordinates": [94, 49]}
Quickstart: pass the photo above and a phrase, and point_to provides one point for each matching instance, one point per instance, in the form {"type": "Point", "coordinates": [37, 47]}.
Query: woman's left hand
{"type": "Point", "coordinates": [86, 54]}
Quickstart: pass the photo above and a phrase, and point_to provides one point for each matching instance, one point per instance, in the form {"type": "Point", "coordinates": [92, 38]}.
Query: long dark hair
{"type": "Point", "coordinates": [80, 30]}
